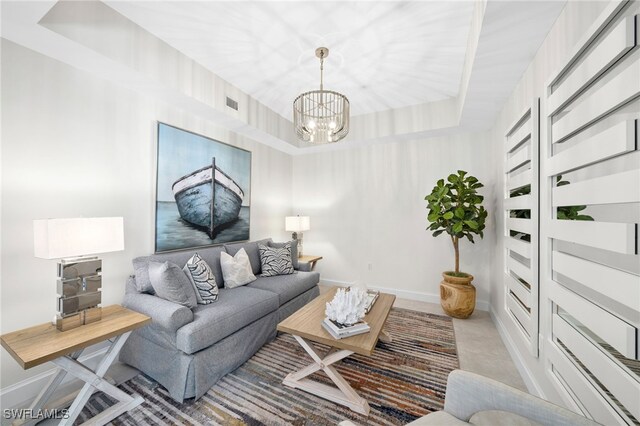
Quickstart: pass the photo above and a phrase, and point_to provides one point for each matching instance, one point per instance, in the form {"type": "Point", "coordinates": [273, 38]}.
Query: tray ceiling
{"type": "Point", "coordinates": [383, 55]}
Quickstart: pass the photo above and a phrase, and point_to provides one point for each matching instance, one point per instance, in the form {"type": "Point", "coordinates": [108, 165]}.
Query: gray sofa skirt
{"type": "Point", "coordinates": [191, 376]}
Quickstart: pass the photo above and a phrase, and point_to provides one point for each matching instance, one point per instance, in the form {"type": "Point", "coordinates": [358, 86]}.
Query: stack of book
{"type": "Point", "coordinates": [340, 331]}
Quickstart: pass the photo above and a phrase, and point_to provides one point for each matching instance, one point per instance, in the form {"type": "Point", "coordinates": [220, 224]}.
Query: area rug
{"type": "Point", "coordinates": [402, 380]}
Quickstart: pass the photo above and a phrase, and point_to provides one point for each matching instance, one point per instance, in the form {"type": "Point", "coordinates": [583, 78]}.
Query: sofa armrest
{"type": "Point", "coordinates": [304, 267]}
{"type": "Point", "coordinates": [167, 315]}
{"type": "Point", "coordinates": [469, 393]}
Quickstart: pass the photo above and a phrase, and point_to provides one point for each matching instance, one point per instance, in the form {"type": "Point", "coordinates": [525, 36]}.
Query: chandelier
{"type": "Point", "coordinates": [321, 116]}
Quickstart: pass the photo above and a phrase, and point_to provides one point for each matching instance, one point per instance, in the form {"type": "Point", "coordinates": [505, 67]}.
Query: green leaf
{"type": "Point", "coordinates": [448, 215]}
{"type": "Point", "coordinates": [435, 234]}
{"type": "Point", "coordinates": [459, 212]}
{"type": "Point", "coordinates": [452, 178]}
{"type": "Point", "coordinates": [457, 227]}
{"type": "Point", "coordinates": [472, 224]}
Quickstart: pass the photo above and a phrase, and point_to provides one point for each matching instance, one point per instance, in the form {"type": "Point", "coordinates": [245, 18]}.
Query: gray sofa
{"type": "Point", "coordinates": [187, 351]}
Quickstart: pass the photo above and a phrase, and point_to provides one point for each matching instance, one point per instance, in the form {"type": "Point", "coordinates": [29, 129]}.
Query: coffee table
{"type": "Point", "coordinates": [306, 327]}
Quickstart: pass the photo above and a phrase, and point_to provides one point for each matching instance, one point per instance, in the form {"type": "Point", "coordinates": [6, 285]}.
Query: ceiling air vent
{"type": "Point", "coordinates": [232, 104]}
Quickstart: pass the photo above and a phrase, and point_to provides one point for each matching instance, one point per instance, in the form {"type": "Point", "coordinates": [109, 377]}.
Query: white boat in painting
{"type": "Point", "coordinates": [206, 202]}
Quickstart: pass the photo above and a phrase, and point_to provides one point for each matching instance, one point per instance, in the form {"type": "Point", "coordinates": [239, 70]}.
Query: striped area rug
{"type": "Point", "coordinates": [402, 381]}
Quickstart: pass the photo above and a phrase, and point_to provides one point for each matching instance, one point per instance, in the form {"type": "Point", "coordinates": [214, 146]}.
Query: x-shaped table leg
{"type": "Point", "coordinates": [344, 394]}
{"type": "Point", "coordinates": [94, 381]}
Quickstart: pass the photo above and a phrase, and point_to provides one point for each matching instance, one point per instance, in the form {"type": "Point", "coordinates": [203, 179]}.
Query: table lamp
{"type": "Point", "coordinates": [297, 224]}
{"type": "Point", "coordinates": [79, 281]}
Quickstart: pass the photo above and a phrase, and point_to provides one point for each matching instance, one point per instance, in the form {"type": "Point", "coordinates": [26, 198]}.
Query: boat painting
{"type": "Point", "coordinates": [194, 194]}
{"type": "Point", "coordinates": [203, 191]}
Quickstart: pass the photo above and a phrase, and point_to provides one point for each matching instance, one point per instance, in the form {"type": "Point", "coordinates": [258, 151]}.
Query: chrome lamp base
{"type": "Point", "coordinates": [298, 237]}
{"type": "Point", "coordinates": [79, 288]}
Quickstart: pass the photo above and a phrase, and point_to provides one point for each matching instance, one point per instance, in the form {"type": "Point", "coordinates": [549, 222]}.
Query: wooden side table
{"type": "Point", "coordinates": [312, 260]}
{"type": "Point", "coordinates": [42, 343]}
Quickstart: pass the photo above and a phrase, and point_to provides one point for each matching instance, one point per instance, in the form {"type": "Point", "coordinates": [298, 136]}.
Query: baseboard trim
{"type": "Point", "coordinates": [421, 296]}
{"type": "Point", "coordinates": [20, 394]}
{"type": "Point", "coordinates": [533, 386]}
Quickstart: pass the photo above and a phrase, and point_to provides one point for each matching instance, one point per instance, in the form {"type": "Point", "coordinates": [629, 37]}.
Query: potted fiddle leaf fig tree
{"type": "Point", "coordinates": [455, 208]}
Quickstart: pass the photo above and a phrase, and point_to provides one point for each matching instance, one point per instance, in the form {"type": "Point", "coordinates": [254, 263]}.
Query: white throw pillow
{"type": "Point", "coordinates": [236, 270]}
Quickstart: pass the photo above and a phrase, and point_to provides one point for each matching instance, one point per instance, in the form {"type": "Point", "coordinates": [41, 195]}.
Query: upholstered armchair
{"type": "Point", "coordinates": [477, 400]}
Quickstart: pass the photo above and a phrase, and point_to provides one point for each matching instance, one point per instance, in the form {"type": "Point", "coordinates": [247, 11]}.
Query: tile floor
{"type": "Point", "coordinates": [480, 348]}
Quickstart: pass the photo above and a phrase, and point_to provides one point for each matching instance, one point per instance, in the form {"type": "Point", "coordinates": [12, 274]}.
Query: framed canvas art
{"type": "Point", "coordinates": [203, 191]}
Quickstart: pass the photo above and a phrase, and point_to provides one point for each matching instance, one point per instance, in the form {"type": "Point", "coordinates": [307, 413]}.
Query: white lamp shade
{"type": "Point", "coordinates": [297, 223]}
{"type": "Point", "coordinates": [58, 238]}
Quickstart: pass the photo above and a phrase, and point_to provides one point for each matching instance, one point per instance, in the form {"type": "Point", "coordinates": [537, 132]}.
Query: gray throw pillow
{"type": "Point", "coordinates": [170, 283]}
{"type": "Point", "coordinates": [276, 261]}
{"type": "Point", "coordinates": [202, 279]}
{"type": "Point", "coordinates": [294, 251]}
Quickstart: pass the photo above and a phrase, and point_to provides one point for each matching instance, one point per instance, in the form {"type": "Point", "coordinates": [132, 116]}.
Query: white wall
{"type": "Point", "coordinates": [571, 25]}
{"type": "Point", "coordinates": [367, 207]}
{"type": "Point", "coordinates": [76, 145]}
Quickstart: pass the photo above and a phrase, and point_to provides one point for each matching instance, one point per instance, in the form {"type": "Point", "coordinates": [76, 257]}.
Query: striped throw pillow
{"type": "Point", "coordinates": [202, 279]}
{"type": "Point", "coordinates": [276, 261]}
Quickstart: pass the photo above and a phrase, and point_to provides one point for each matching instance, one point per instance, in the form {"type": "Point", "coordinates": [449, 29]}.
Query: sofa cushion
{"type": "Point", "coordinates": [170, 283]}
{"type": "Point", "coordinates": [438, 418]}
{"type": "Point", "coordinates": [252, 251]}
{"type": "Point", "coordinates": [287, 287]}
{"type": "Point", "coordinates": [500, 418]}
{"type": "Point", "coordinates": [211, 255]}
{"type": "Point", "coordinates": [235, 309]}
{"type": "Point", "coordinates": [294, 251]}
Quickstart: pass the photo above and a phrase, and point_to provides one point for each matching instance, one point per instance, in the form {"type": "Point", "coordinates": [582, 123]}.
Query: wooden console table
{"type": "Point", "coordinates": [42, 343]}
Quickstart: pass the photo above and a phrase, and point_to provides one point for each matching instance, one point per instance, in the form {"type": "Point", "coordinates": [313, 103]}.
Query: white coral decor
{"type": "Point", "coordinates": [348, 306]}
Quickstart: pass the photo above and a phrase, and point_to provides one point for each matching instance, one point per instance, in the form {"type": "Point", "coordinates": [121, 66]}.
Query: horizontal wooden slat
{"type": "Point", "coordinates": [521, 225]}
{"type": "Point", "coordinates": [605, 99]}
{"type": "Point", "coordinates": [520, 313]}
{"type": "Point", "coordinates": [520, 270]}
{"type": "Point", "coordinates": [613, 283]}
{"type": "Point", "coordinates": [523, 293]}
{"type": "Point", "coordinates": [625, 388]}
{"type": "Point", "coordinates": [520, 135]}
{"type": "Point", "coordinates": [523, 248]}
{"type": "Point", "coordinates": [584, 390]}
{"type": "Point", "coordinates": [618, 237]}
{"type": "Point", "coordinates": [519, 180]}
{"type": "Point", "coordinates": [611, 329]}
{"type": "Point", "coordinates": [618, 42]}
{"type": "Point", "coordinates": [609, 143]}
{"type": "Point", "coordinates": [611, 189]}
{"type": "Point", "coordinates": [523, 202]}
{"type": "Point", "coordinates": [519, 158]}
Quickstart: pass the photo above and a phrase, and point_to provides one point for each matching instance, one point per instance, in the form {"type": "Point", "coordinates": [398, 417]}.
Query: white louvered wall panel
{"type": "Point", "coordinates": [590, 271]}
{"type": "Point", "coordinates": [521, 233]}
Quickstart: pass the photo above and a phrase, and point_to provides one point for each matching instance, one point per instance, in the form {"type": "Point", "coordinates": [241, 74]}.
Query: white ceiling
{"type": "Point", "coordinates": [430, 68]}
{"type": "Point", "coordinates": [383, 55]}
